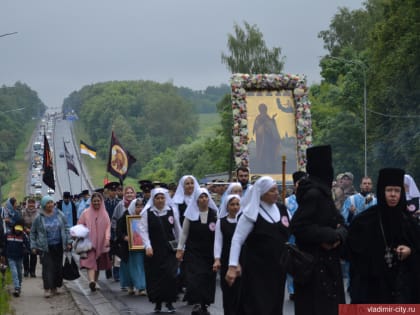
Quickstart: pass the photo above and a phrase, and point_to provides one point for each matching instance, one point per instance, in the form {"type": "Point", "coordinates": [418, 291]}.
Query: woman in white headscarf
{"type": "Point", "coordinates": [225, 227]}
{"type": "Point", "coordinates": [159, 225]}
{"type": "Point", "coordinates": [262, 229]}
{"type": "Point", "coordinates": [412, 194]}
{"type": "Point", "coordinates": [233, 189]}
{"type": "Point", "coordinates": [132, 262]}
{"type": "Point", "coordinates": [198, 238]}
{"type": "Point", "coordinates": [184, 194]}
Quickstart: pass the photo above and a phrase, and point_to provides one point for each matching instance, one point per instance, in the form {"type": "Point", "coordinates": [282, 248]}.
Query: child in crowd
{"type": "Point", "coordinates": [16, 245]}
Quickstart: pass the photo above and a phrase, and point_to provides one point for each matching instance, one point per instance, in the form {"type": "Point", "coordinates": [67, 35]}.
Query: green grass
{"type": "Point", "coordinates": [208, 125]}
{"type": "Point", "coordinates": [97, 167]}
{"type": "Point", "coordinates": [20, 165]}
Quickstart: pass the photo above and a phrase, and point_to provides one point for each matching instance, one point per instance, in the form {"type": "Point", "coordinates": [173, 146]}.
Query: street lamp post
{"type": "Point", "coordinates": [360, 63]}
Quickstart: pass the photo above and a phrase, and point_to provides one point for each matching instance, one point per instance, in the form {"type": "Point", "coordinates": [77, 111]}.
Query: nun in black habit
{"type": "Point", "coordinates": [262, 229]}
{"type": "Point", "coordinates": [159, 224]}
{"type": "Point", "coordinates": [384, 244]}
{"type": "Point", "coordinates": [198, 237]}
{"type": "Point", "coordinates": [319, 230]}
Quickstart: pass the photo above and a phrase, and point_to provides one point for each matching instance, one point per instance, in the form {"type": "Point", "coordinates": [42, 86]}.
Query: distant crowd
{"type": "Point", "coordinates": [168, 242]}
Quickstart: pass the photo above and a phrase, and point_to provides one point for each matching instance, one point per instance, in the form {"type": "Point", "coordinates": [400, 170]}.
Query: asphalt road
{"type": "Point", "coordinates": [139, 305]}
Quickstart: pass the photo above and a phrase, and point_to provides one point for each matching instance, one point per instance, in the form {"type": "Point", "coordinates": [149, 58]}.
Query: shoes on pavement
{"type": "Point", "coordinates": [196, 310]}
{"type": "Point", "coordinates": [291, 296]}
{"type": "Point", "coordinates": [170, 307]}
{"type": "Point", "coordinates": [33, 275]}
{"type": "Point", "coordinates": [47, 294]}
{"type": "Point", "coordinates": [26, 274]}
{"type": "Point", "coordinates": [130, 291]}
{"type": "Point", "coordinates": [142, 292]}
{"type": "Point", "coordinates": [158, 307]}
{"type": "Point", "coordinates": [16, 293]}
{"type": "Point", "coordinates": [92, 286]}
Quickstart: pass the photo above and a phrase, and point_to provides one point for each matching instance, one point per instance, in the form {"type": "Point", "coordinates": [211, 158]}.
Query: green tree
{"type": "Point", "coordinates": [249, 52]}
{"type": "Point", "coordinates": [395, 88]}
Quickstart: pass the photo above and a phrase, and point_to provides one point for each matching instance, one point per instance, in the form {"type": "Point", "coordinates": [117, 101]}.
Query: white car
{"type": "Point", "coordinates": [38, 192]}
{"type": "Point", "coordinates": [50, 191]}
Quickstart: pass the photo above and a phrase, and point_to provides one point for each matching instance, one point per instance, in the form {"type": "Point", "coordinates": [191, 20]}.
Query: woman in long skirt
{"type": "Point", "coordinates": [96, 219]}
{"type": "Point", "coordinates": [263, 229]}
{"type": "Point", "coordinates": [198, 238]}
{"type": "Point", "coordinates": [132, 262]}
{"type": "Point", "coordinates": [49, 238]}
{"type": "Point", "coordinates": [159, 224]}
{"type": "Point", "coordinates": [225, 227]}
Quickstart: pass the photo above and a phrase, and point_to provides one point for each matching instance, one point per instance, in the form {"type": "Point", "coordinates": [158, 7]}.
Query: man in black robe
{"type": "Point", "coordinates": [319, 230]}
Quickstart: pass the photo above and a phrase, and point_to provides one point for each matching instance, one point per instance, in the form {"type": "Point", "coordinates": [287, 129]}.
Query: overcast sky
{"type": "Point", "coordinates": [63, 45]}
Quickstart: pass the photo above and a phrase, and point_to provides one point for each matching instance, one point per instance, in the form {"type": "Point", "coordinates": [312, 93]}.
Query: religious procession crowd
{"type": "Point", "coordinates": [169, 242]}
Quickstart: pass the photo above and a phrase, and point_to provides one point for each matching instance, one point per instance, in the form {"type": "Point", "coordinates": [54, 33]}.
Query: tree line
{"type": "Point", "coordinates": [19, 105]}
{"type": "Point", "coordinates": [376, 45]}
{"type": "Point", "coordinates": [380, 41]}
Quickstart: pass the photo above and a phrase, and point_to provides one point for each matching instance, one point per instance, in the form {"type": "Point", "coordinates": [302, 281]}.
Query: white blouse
{"type": "Point", "coordinates": [218, 238]}
{"type": "Point", "coordinates": [245, 226]}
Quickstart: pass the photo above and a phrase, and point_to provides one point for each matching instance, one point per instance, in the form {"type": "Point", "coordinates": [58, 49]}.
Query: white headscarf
{"type": "Point", "coordinates": [412, 191]}
{"type": "Point", "coordinates": [192, 212]}
{"type": "Point", "coordinates": [153, 193]}
{"type": "Point", "coordinates": [250, 203]}
{"type": "Point", "coordinates": [223, 207]}
{"type": "Point", "coordinates": [231, 187]}
{"type": "Point", "coordinates": [179, 195]}
{"type": "Point", "coordinates": [132, 206]}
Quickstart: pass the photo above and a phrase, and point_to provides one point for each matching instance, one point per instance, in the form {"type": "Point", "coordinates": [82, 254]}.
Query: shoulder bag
{"type": "Point", "coordinates": [298, 264]}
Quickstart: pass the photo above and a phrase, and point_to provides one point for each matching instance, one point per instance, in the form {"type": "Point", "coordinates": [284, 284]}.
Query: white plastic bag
{"type": "Point", "coordinates": [79, 230]}
{"type": "Point", "coordinates": [82, 245]}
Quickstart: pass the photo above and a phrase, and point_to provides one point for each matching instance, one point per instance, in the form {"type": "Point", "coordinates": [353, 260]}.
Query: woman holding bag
{"type": "Point", "coordinates": [96, 219]}
{"type": "Point", "coordinates": [50, 238]}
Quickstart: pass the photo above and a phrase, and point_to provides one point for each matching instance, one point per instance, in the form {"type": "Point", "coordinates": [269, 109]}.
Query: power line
{"type": "Point", "coordinates": [393, 116]}
{"type": "Point", "coordinates": [7, 34]}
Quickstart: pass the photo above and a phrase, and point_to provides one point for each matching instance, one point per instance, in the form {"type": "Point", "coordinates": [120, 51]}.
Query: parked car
{"type": "Point", "coordinates": [38, 184]}
{"type": "Point", "coordinates": [61, 154]}
{"type": "Point", "coordinates": [50, 191]}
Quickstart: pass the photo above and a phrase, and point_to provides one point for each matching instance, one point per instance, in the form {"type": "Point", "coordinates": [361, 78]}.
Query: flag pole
{"type": "Point", "coordinates": [68, 173]}
{"type": "Point", "coordinates": [81, 172]}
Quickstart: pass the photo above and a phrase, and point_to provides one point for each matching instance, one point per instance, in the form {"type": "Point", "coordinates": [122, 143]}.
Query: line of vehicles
{"type": "Point", "coordinates": [46, 126]}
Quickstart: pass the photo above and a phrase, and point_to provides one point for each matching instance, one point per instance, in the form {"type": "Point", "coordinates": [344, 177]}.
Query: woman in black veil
{"type": "Point", "coordinates": [383, 245]}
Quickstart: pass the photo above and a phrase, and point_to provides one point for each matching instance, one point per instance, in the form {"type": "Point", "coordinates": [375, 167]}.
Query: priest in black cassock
{"type": "Point", "coordinates": [319, 230]}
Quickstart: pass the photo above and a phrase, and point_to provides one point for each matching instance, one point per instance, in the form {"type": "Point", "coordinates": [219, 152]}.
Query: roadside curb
{"type": "Point", "coordinates": [89, 302]}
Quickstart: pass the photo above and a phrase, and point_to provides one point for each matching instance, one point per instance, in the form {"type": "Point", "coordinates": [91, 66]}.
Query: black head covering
{"type": "Point", "coordinates": [146, 185]}
{"type": "Point", "coordinates": [100, 190]}
{"type": "Point", "coordinates": [319, 163]}
{"type": "Point", "coordinates": [392, 217]}
{"type": "Point", "coordinates": [390, 177]}
{"type": "Point", "coordinates": [298, 176]}
{"type": "Point", "coordinates": [66, 194]}
{"type": "Point", "coordinates": [112, 185]}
